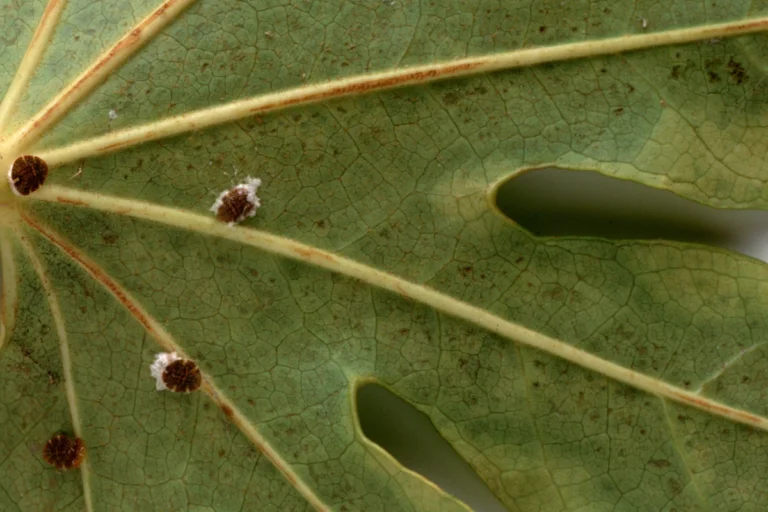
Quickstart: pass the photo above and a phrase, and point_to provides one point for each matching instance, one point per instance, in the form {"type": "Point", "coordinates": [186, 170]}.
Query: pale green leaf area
{"type": "Point", "coordinates": [572, 374]}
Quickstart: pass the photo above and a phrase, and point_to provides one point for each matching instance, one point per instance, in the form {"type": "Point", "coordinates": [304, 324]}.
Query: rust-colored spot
{"type": "Point", "coordinates": [706, 405]}
{"type": "Point", "coordinates": [290, 477]}
{"type": "Point", "coordinates": [309, 253]}
{"type": "Point", "coordinates": [70, 201]}
{"type": "Point", "coordinates": [227, 410]}
{"type": "Point", "coordinates": [27, 174]}
{"type": "Point", "coordinates": [371, 85]}
{"type": "Point", "coordinates": [117, 145]}
{"type": "Point", "coordinates": [64, 452]}
{"type": "Point", "coordinates": [182, 376]}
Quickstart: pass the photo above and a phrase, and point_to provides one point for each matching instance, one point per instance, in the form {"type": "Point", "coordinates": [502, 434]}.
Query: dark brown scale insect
{"type": "Point", "coordinates": [27, 174]}
{"type": "Point", "coordinates": [182, 376]}
{"type": "Point", "coordinates": [235, 206]}
{"type": "Point", "coordinates": [64, 452]}
{"type": "Point", "coordinates": [238, 203]}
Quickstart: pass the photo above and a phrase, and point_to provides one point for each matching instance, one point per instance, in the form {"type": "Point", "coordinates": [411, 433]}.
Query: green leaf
{"type": "Point", "coordinates": [571, 374]}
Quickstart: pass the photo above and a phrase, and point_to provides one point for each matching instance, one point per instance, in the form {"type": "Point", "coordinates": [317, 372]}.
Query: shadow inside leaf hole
{"type": "Point", "coordinates": [560, 202]}
{"type": "Point", "coordinates": [410, 437]}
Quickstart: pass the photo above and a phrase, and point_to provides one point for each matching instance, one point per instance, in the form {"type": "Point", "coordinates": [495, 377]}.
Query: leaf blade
{"type": "Point", "coordinates": [452, 140]}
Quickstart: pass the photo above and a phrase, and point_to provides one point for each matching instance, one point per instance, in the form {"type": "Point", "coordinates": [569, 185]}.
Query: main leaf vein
{"type": "Point", "coordinates": [373, 82]}
{"type": "Point", "coordinates": [444, 303]}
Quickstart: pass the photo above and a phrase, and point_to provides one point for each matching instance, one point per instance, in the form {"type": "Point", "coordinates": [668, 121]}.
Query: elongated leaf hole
{"type": "Point", "coordinates": [558, 202]}
{"type": "Point", "coordinates": [409, 436]}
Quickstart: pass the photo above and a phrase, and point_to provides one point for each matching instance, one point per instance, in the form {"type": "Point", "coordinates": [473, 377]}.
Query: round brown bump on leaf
{"type": "Point", "coordinates": [235, 206]}
{"type": "Point", "coordinates": [182, 376]}
{"type": "Point", "coordinates": [27, 174]}
{"type": "Point", "coordinates": [64, 452]}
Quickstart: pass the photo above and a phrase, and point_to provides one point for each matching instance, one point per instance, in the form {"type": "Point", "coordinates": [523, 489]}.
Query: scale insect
{"type": "Point", "coordinates": [175, 374]}
{"type": "Point", "coordinates": [64, 452]}
{"type": "Point", "coordinates": [27, 174]}
{"type": "Point", "coordinates": [238, 203]}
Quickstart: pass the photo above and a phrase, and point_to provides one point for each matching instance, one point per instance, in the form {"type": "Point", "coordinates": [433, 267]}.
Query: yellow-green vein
{"type": "Point", "coordinates": [101, 68]}
{"type": "Point", "coordinates": [8, 301]}
{"type": "Point", "coordinates": [414, 291]}
{"type": "Point", "coordinates": [30, 60]}
{"type": "Point", "coordinates": [66, 360]}
{"type": "Point", "coordinates": [166, 341]}
{"type": "Point", "coordinates": [368, 83]}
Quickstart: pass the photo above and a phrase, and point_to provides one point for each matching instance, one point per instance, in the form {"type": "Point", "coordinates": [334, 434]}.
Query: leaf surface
{"type": "Point", "coordinates": [571, 374]}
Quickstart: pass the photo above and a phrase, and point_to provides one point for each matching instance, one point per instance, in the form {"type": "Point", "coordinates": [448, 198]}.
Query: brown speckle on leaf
{"type": "Point", "coordinates": [450, 98]}
{"type": "Point", "coordinates": [27, 174]}
{"type": "Point", "coordinates": [737, 72]}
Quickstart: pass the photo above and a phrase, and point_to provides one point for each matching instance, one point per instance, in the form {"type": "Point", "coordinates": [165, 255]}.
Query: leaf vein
{"type": "Point", "coordinates": [364, 84]}
{"type": "Point", "coordinates": [166, 341]}
{"type": "Point", "coordinates": [66, 360]}
{"type": "Point", "coordinates": [414, 291]}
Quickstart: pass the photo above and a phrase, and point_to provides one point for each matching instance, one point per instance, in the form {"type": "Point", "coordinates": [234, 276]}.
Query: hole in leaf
{"type": "Point", "coordinates": [410, 437]}
{"type": "Point", "coordinates": [559, 202]}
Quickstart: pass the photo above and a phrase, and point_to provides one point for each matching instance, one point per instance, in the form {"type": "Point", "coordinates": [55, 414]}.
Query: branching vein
{"type": "Point", "coordinates": [168, 344]}
{"type": "Point", "coordinates": [101, 68]}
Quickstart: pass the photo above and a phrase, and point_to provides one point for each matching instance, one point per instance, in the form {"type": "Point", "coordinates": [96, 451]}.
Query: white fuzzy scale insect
{"type": "Point", "coordinates": [238, 203]}
{"type": "Point", "coordinates": [158, 367]}
{"type": "Point", "coordinates": [176, 374]}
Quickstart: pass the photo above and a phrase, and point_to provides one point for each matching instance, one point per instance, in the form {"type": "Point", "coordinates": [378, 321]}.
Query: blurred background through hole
{"type": "Point", "coordinates": [411, 438]}
{"type": "Point", "coordinates": [559, 202]}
